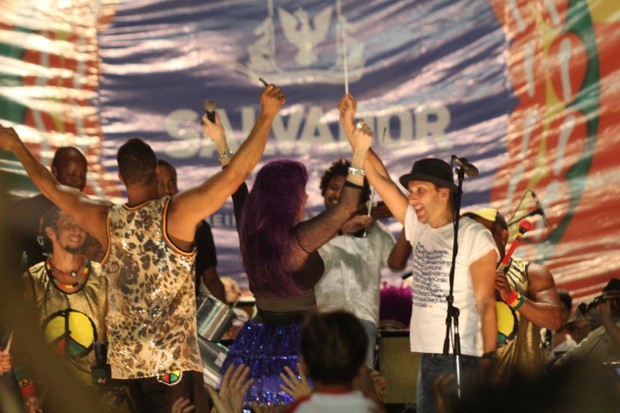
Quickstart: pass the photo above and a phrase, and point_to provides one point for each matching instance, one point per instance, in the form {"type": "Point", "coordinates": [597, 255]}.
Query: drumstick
{"type": "Point", "coordinates": [344, 49]}
{"type": "Point", "coordinates": [264, 82]}
{"type": "Point", "coordinates": [345, 61]}
{"type": "Point", "coordinates": [9, 342]}
{"type": "Point", "coordinates": [524, 226]}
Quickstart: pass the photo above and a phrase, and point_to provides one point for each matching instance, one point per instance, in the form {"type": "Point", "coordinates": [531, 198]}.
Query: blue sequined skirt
{"type": "Point", "coordinates": [267, 346]}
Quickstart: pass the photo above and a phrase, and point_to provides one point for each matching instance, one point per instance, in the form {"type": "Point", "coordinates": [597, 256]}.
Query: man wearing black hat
{"type": "Point", "coordinates": [603, 344]}
{"type": "Point", "coordinates": [427, 215]}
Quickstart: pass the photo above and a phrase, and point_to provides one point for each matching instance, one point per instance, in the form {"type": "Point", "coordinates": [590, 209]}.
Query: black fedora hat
{"type": "Point", "coordinates": [611, 291]}
{"type": "Point", "coordinates": [612, 288]}
{"type": "Point", "coordinates": [430, 170]}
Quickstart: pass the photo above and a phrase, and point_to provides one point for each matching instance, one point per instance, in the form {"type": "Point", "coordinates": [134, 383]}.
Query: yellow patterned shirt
{"type": "Point", "coordinates": [152, 309]}
{"type": "Point", "coordinates": [72, 321]}
{"type": "Point", "coordinates": [524, 355]}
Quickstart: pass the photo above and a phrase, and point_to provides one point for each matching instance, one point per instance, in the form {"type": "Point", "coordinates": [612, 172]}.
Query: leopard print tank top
{"type": "Point", "coordinates": [152, 309]}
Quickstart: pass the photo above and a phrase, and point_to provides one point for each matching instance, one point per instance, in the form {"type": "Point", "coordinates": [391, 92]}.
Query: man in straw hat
{"type": "Point", "coordinates": [427, 214]}
{"type": "Point", "coordinates": [532, 302]}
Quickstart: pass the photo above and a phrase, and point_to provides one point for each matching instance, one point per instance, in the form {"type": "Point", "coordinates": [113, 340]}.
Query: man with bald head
{"type": "Point", "coordinates": [69, 166]}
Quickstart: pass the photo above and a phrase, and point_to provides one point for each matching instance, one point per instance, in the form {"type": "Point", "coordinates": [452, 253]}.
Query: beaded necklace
{"type": "Point", "coordinates": [80, 276]}
{"type": "Point", "coordinates": [72, 274]}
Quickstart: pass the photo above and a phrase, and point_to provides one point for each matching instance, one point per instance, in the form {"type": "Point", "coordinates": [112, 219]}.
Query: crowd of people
{"type": "Point", "coordinates": [115, 286]}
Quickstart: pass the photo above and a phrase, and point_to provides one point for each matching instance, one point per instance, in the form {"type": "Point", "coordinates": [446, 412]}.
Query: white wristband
{"type": "Point", "coordinates": [356, 171]}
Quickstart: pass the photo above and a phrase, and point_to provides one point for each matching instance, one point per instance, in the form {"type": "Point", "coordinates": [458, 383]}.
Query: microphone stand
{"type": "Point", "coordinates": [452, 317]}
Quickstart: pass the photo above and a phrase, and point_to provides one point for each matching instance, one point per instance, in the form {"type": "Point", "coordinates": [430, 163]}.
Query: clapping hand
{"type": "Point", "coordinates": [295, 387]}
{"type": "Point", "coordinates": [235, 384]}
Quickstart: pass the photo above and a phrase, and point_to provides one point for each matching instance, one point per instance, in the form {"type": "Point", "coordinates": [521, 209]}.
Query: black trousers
{"type": "Point", "coordinates": [159, 394]}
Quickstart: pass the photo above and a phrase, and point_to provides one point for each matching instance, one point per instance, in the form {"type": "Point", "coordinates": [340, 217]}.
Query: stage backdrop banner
{"type": "Point", "coordinates": [525, 90]}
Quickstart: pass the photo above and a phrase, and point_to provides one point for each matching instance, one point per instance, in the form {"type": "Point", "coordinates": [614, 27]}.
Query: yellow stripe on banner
{"type": "Point", "coordinates": [604, 11]}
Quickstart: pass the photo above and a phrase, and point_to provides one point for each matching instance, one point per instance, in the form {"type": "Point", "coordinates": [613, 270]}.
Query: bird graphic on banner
{"type": "Point", "coordinates": [298, 32]}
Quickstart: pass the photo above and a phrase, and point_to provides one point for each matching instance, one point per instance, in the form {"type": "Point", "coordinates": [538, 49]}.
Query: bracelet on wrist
{"type": "Point", "coordinates": [356, 171]}
{"type": "Point", "coordinates": [352, 185]}
{"type": "Point", "coordinates": [513, 298]}
{"type": "Point", "coordinates": [224, 155]}
{"type": "Point", "coordinates": [490, 355]}
{"type": "Point", "coordinates": [518, 302]}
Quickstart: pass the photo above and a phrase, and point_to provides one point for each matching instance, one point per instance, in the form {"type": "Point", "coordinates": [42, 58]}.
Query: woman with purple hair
{"type": "Point", "coordinates": [279, 254]}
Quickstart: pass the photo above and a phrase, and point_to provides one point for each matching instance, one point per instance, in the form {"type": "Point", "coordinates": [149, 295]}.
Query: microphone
{"type": "Point", "coordinates": [469, 169]}
{"type": "Point", "coordinates": [539, 210]}
{"type": "Point", "coordinates": [210, 109]}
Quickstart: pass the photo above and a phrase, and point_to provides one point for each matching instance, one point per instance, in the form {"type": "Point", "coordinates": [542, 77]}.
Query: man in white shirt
{"type": "Point", "coordinates": [427, 214]}
{"type": "Point", "coordinates": [353, 260]}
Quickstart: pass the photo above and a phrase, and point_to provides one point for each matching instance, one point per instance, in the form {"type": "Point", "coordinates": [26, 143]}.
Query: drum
{"type": "Point", "coordinates": [214, 318]}
{"type": "Point", "coordinates": [213, 356]}
{"type": "Point", "coordinates": [507, 323]}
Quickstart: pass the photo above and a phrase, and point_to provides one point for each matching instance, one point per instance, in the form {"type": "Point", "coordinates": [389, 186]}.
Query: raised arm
{"type": "Point", "coordinates": [88, 213]}
{"type": "Point", "coordinates": [376, 173]}
{"type": "Point", "coordinates": [315, 232]}
{"type": "Point", "coordinates": [189, 207]}
{"type": "Point", "coordinates": [482, 275]}
{"type": "Point", "coordinates": [215, 131]}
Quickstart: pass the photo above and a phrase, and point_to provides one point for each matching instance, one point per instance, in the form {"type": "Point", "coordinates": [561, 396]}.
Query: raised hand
{"type": "Point", "coordinates": [272, 99]}
{"type": "Point", "coordinates": [347, 108]}
{"type": "Point", "coordinates": [8, 138]}
{"type": "Point", "coordinates": [182, 405]}
{"type": "Point", "coordinates": [295, 387]}
{"type": "Point", "coordinates": [362, 136]}
{"type": "Point", "coordinates": [235, 384]}
{"type": "Point", "coordinates": [5, 362]}
{"type": "Point", "coordinates": [213, 130]}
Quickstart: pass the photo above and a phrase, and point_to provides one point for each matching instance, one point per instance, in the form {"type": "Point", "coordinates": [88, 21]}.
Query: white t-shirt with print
{"type": "Point", "coordinates": [432, 256]}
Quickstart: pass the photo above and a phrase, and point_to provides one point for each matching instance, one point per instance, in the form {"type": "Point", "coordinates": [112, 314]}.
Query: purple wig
{"type": "Point", "coordinates": [270, 213]}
